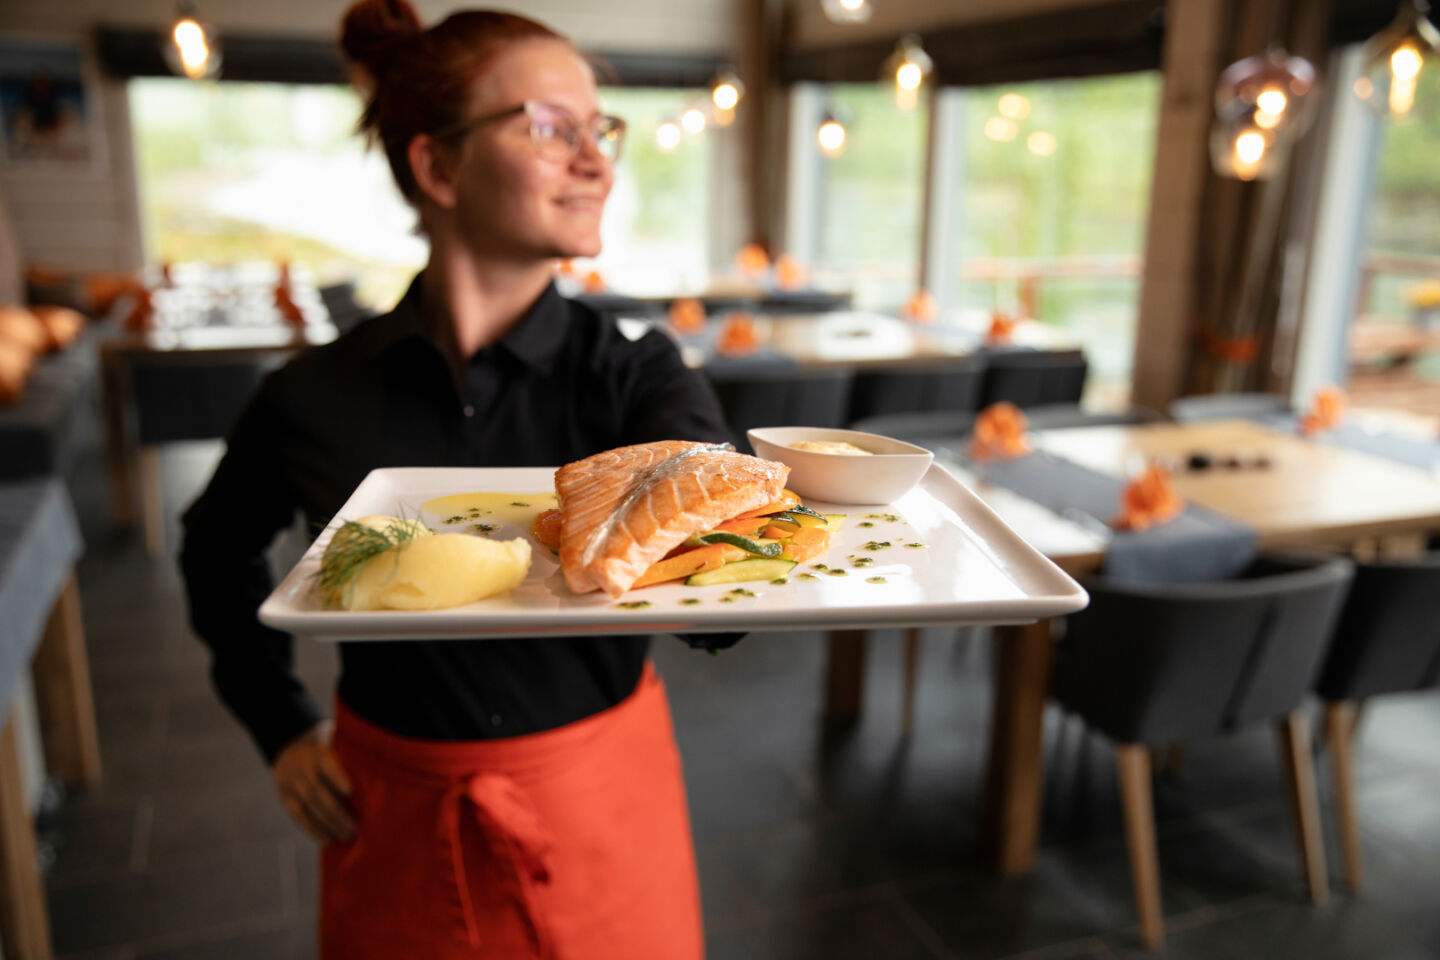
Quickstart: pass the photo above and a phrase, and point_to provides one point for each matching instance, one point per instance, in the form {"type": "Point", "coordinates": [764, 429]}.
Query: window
{"type": "Point", "coordinates": [252, 171]}
{"type": "Point", "coordinates": [1050, 195]}
{"type": "Point", "coordinates": [867, 198]}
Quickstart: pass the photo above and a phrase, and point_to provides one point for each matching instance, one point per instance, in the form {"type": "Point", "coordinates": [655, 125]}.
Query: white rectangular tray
{"type": "Point", "coordinates": [972, 569]}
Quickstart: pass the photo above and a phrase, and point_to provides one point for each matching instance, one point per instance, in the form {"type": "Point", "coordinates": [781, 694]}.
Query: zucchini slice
{"type": "Point", "coordinates": [760, 548]}
{"type": "Point", "coordinates": [742, 571]}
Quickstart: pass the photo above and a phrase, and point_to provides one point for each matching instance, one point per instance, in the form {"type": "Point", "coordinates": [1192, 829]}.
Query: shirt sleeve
{"type": "Point", "coordinates": [227, 576]}
{"type": "Point", "coordinates": [666, 399]}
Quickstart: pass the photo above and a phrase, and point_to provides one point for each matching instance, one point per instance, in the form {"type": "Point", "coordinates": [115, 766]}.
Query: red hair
{"type": "Point", "coordinates": [419, 80]}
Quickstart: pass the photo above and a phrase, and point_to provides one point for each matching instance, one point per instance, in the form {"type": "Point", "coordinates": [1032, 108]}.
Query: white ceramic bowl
{"type": "Point", "coordinates": [894, 467]}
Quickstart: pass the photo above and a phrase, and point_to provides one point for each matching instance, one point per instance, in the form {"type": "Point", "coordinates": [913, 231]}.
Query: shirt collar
{"type": "Point", "coordinates": [535, 339]}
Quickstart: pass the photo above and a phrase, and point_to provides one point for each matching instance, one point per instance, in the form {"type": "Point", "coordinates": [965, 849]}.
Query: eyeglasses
{"type": "Point", "coordinates": [556, 132]}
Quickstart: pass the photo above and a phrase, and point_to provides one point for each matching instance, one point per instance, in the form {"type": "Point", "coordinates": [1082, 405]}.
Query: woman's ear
{"type": "Point", "coordinates": [434, 167]}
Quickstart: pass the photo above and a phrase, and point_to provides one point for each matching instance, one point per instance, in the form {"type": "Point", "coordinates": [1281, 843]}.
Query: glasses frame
{"type": "Point", "coordinates": [615, 127]}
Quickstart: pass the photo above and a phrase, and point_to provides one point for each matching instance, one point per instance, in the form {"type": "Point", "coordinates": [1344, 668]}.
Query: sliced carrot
{"type": "Point", "coordinates": [547, 529]}
{"type": "Point", "coordinates": [811, 535]}
{"type": "Point", "coordinates": [788, 499]}
{"type": "Point", "coordinates": [709, 557]}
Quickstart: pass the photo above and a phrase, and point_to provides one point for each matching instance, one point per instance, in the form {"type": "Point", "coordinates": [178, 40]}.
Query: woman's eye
{"type": "Point", "coordinates": [550, 131]}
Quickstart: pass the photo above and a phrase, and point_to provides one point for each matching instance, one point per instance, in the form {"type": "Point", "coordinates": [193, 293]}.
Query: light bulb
{"type": "Point", "coordinates": [1041, 144]}
{"type": "Point", "coordinates": [831, 137]}
{"type": "Point", "coordinates": [1014, 106]}
{"type": "Point", "coordinates": [846, 11]}
{"type": "Point", "coordinates": [1271, 100]}
{"type": "Point", "coordinates": [188, 33]}
{"type": "Point", "coordinates": [693, 120]}
{"type": "Point", "coordinates": [1000, 130]}
{"type": "Point", "coordinates": [1249, 147]}
{"type": "Point", "coordinates": [190, 49]}
{"type": "Point", "coordinates": [667, 136]}
{"type": "Point", "coordinates": [1394, 58]}
{"type": "Point", "coordinates": [852, 5]}
{"type": "Point", "coordinates": [725, 96]}
{"type": "Point", "coordinates": [1405, 62]}
{"type": "Point", "coordinates": [909, 76]}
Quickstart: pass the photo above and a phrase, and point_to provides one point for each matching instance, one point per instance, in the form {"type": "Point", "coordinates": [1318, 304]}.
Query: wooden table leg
{"type": "Point", "coordinates": [845, 676]}
{"type": "Point", "coordinates": [24, 916]}
{"type": "Point", "coordinates": [114, 403]}
{"type": "Point", "coordinates": [60, 672]}
{"type": "Point", "coordinates": [1014, 781]}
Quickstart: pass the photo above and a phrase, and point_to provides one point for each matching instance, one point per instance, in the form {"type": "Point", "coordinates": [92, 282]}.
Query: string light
{"type": "Point", "coordinates": [1000, 129]}
{"type": "Point", "coordinates": [1013, 106]}
{"type": "Point", "coordinates": [667, 136]}
{"type": "Point", "coordinates": [725, 93]}
{"type": "Point", "coordinates": [1041, 143]}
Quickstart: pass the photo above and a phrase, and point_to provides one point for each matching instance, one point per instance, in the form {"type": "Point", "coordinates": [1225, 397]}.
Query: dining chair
{"type": "Point", "coordinates": [1032, 378]}
{"type": "Point", "coordinates": [1227, 406]}
{"type": "Point", "coordinates": [178, 401]}
{"type": "Point", "coordinates": [772, 392]}
{"type": "Point", "coordinates": [1153, 664]}
{"type": "Point", "coordinates": [947, 387]}
{"type": "Point", "coordinates": [345, 311]}
{"type": "Point", "coordinates": [1387, 641]}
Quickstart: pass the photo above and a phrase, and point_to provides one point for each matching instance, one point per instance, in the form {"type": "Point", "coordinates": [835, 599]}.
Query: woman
{"type": "Point", "coordinates": [478, 798]}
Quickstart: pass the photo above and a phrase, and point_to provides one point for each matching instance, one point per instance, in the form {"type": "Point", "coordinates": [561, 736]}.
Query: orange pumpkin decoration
{"type": "Point", "coordinates": [789, 275]}
{"type": "Point", "coordinates": [1002, 329]}
{"type": "Point", "coordinates": [738, 336]}
{"type": "Point", "coordinates": [687, 315]}
{"type": "Point", "coordinates": [1327, 409]}
{"type": "Point", "coordinates": [752, 260]}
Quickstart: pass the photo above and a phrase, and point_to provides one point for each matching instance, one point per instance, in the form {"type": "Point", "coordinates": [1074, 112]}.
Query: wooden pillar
{"type": "Point", "coordinates": [762, 117]}
{"type": "Point", "coordinates": [60, 672]}
{"type": "Point", "coordinates": [1163, 334]}
{"type": "Point", "coordinates": [24, 916]}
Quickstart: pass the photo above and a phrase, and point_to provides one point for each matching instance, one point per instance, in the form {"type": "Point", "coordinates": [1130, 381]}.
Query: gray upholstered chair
{"type": "Point", "coordinates": [772, 392]}
{"type": "Point", "coordinates": [1388, 641]}
{"type": "Point", "coordinates": [1227, 406]}
{"type": "Point", "coordinates": [1033, 378]}
{"type": "Point", "coordinates": [947, 387]}
{"type": "Point", "coordinates": [1152, 664]}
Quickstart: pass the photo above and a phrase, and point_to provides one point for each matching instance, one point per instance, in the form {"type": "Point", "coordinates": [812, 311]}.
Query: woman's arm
{"type": "Point", "coordinates": [226, 533]}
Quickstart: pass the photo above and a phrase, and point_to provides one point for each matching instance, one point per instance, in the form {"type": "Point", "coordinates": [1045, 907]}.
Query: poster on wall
{"type": "Point", "coordinates": [47, 108]}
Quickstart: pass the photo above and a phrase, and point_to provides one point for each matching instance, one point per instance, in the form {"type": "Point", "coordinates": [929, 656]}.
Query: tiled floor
{"type": "Point", "coordinates": [811, 845]}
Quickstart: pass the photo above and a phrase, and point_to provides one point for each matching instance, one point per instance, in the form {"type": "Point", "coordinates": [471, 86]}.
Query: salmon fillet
{"type": "Point", "coordinates": [623, 509]}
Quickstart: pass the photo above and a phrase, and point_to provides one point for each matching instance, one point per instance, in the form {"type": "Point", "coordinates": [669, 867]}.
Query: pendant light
{"type": "Point", "coordinates": [908, 68]}
{"type": "Point", "coordinates": [1394, 58]}
{"type": "Point", "coordinates": [191, 49]}
{"type": "Point", "coordinates": [1262, 105]}
{"type": "Point", "coordinates": [846, 11]}
{"type": "Point", "coordinates": [831, 135]}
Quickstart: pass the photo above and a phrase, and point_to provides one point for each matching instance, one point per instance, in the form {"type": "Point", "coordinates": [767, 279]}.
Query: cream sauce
{"type": "Point", "coordinates": [486, 513]}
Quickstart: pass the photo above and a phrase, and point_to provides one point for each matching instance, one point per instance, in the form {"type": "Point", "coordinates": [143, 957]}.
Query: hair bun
{"type": "Point", "coordinates": [372, 29]}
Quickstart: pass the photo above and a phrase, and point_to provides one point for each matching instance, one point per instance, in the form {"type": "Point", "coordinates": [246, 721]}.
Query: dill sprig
{"type": "Point", "coordinates": [353, 544]}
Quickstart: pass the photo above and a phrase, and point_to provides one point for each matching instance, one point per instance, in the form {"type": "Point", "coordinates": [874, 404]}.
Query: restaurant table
{"type": "Point", "coordinates": [197, 348]}
{"type": "Point", "coordinates": [1310, 494]}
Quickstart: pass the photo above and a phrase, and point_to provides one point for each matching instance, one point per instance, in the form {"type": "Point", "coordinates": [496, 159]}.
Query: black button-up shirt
{"type": "Point", "coordinates": [560, 385]}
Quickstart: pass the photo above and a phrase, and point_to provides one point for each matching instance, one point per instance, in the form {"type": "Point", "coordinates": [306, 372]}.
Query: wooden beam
{"type": "Point", "coordinates": [1164, 332]}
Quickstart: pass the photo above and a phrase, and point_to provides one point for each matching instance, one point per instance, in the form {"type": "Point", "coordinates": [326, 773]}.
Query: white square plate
{"type": "Point", "coordinates": [971, 569]}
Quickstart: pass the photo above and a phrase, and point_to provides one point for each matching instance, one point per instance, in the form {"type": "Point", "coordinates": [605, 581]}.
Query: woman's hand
{"type": "Point", "coordinates": [313, 787]}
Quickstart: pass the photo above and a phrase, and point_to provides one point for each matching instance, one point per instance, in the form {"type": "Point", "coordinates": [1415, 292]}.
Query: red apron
{"type": "Point", "coordinates": [571, 844]}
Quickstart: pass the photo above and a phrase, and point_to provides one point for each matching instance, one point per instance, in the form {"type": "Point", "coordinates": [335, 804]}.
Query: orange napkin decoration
{"type": "Point", "coordinates": [999, 433]}
{"type": "Point", "coordinates": [739, 335]}
{"type": "Point", "coordinates": [22, 328]}
{"type": "Point", "coordinates": [752, 260]}
{"type": "Point", "coordinates": [1002, 329]}
{"type": "Point", "coordinates": [1148, 501]}
{"type": "Point", "coordinates": [15, 364]}
{"type": "Point", "coordinates": [142, 314]}
{"type": "Point", "coordinates": [594, 282]}
{"type": "Point", "coordinates": [920, 308]}
{"type": "Point", "coordinates": [789, 275]}
{"type": "Point", "coordinates": [1326, 411]}
{"type": "Point", "coordinates": [687, 314]}
{"type": "Point", "coordinates": [289, 310]}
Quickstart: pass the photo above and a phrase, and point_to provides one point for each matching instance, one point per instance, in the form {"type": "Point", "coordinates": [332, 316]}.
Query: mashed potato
{"type": "Point", "coordinates": [437, 571]}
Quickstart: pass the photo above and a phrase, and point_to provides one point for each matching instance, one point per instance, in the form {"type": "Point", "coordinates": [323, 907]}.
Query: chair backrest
{"type": "Point", "coordinates": [779, 395]}
{"type": "Point", "coordinates": [193, 401]}
{"type": "Point", "coordinates": [1388, 639]}
{"type": "Point", "coordinates": [917, 389]}
{"type": "Point", "coordinates": [1032, 378]}
{"type": "Point", "coordinates": [1159, 663]}
{"type": "Point", "coordinates": [1227, 406]}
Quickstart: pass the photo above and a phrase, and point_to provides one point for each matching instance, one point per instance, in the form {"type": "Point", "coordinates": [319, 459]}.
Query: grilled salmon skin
{"type": "Point", "coordinates": [623, 509]}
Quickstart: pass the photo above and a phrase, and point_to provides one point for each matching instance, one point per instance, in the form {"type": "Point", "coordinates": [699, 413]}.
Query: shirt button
{"type": "Point", "coordinates": [468, 410]}
{"type": "Point", "coordinates": [495, 719]}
